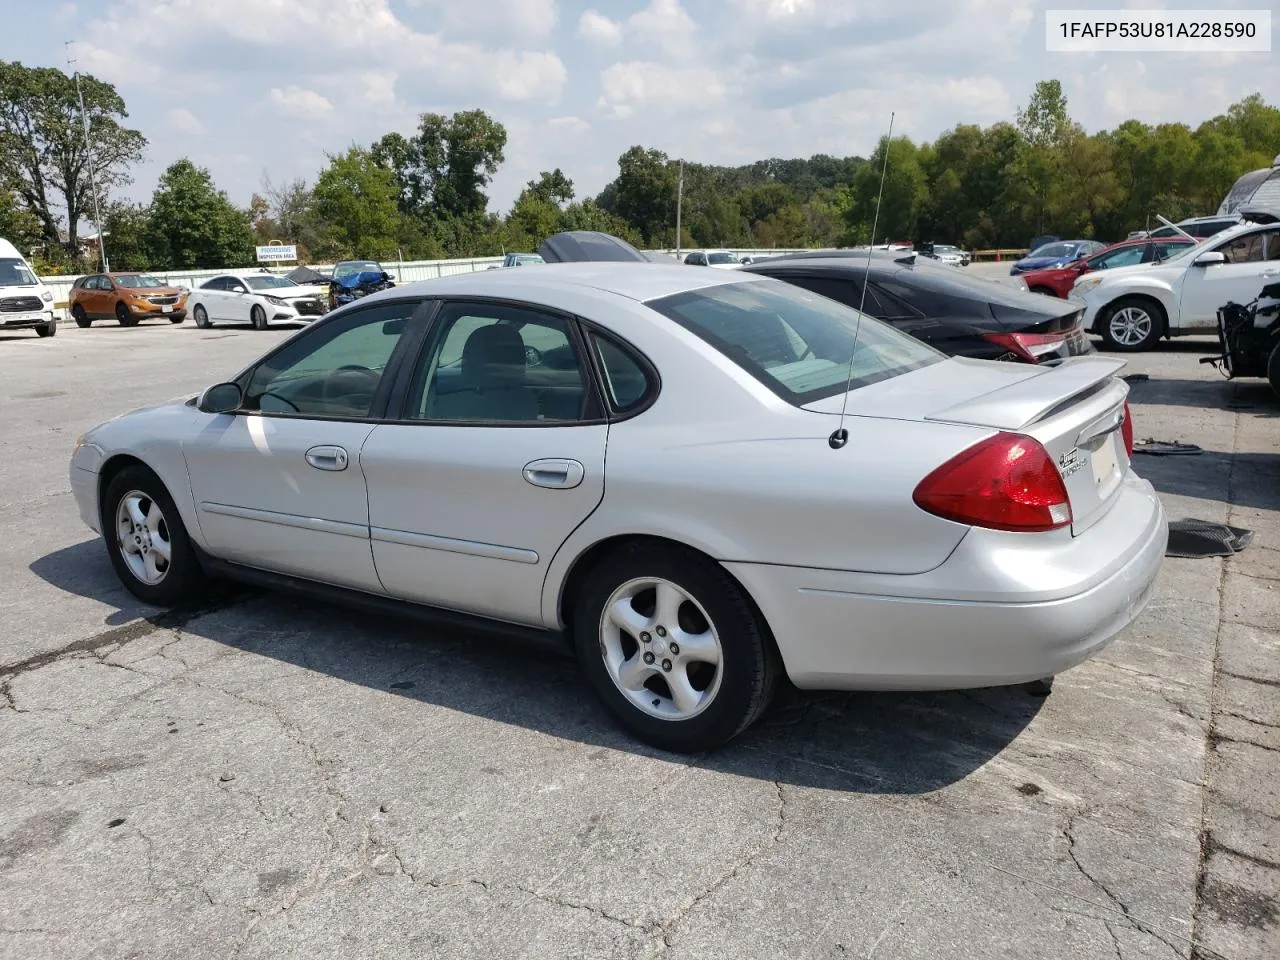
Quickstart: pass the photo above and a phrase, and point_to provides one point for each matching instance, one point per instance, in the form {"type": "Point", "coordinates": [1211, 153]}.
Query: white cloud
{"type": "Point", "coordinates": [626, 87]}
{"type": "Point", "coordinates": [598, 28]}
{"type": "Point", "coordinates": [568, 125]}
{"type": "Point", "coordinates": [294, 101]}
{"type": "Point", "coordinates": [184, 121]}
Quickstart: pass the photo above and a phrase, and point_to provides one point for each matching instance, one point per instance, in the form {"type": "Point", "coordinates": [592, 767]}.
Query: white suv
{"type": "Point", "coordinates": [1133, 307]}
{"type": "Point", "coordinates": [25, 302]}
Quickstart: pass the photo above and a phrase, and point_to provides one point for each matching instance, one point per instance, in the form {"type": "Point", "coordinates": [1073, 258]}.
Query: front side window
{"type": "Point", "coordinates": [796, 343]}
{"type": "Point", "coordinates": [333, 370]}
{"type": "Point", "coordinates": [500, 363]}
{"type": "Point", "coordinates": [721, 258]}
{"type": "Point", "coordinates": [1245, 249]}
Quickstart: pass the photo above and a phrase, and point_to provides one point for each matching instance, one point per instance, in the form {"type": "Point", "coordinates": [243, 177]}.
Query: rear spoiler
{"type": "Point", "coordinates": [1021, 404]}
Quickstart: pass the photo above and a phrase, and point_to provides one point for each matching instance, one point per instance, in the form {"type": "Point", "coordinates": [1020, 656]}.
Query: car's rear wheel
{"type": "Point", "coordinates": [47, 329]}
{"type": "Point", "coordinates": [1131, 324]}
{"type": "Point", "coordinates": [147, 541]}
{"type": "Point", "coordinates": [259, 317]}
{"type": "Point", "coordinates": [673, 647]}
{"type": "Point", "coordinates": [124, 317]}
{"type": "Point", "coordinates": [80, 317]}
{"type": "Point", "coordinates": [200, 316]}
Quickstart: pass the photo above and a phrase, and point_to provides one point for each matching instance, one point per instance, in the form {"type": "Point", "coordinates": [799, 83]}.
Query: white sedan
{"type": "Point", "coordinates": [258, 298]}
{"type": "Point", "coordinates": [1132, 308]}
{"type": "Point", "coordinates": [789, 487]}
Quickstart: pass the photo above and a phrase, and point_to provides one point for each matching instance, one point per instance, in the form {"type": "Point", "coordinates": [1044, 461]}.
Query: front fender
{"type": "Point", "coordinates": [1156, 290]}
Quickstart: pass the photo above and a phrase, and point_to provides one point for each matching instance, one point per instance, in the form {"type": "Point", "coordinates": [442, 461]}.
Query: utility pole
{"type": "Point", "coordinates": [88, 152]}
{"type": "Point", "coordinates": [679, 199]}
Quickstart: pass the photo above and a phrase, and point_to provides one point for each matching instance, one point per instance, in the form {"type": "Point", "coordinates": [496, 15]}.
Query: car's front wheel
{"type": "Point", "coordinates": [47, 329]}
{"type": "Point", "coordinates": [1131, 324]}
{"type": "Point", "coordinates": [201, 316]}
{"type": "Point", "coordinates": [673, 647]}
{"type": "Point", "coordinates": [259, 317]}
{"type": "Point", "coordinates": [147, 541]}
{"type": "Point", "coordinates": [124, 317]}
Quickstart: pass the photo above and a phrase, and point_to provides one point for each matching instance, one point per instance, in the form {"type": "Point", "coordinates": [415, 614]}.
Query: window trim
{"type": "Point", "coordinates": [416, 322]}
{"type": "Point", "coordinates": [597, 403]}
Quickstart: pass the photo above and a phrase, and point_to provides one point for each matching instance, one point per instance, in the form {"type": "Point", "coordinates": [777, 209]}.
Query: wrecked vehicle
{"type": "Point", "coordinates": [1250, 338]}
{"type": "Point", "coordinates": [353, 279]}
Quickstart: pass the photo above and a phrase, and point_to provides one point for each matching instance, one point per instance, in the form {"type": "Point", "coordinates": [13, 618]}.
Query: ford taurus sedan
{"type": "Point", "coordinates": [701, 480]}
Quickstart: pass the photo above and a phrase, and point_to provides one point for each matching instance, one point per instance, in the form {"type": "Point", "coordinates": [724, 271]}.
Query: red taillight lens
{"type": "Point", "coordinates": [1030, 346]}
{"type": "Point", "coordinates": [1126, 430]}
{"type": "Point", "coordinates": [1006, 482]}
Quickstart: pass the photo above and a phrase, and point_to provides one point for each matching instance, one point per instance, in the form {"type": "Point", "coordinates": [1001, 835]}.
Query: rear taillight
{"type": "Point", "coordinates": [1126, 430]}
{"type": "Point", "coordinates": [1006, 482]}
{"type": "Point", "coordinates": [1030, 347]}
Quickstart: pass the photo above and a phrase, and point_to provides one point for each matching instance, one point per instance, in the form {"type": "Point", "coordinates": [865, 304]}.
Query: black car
{"type": "Point", "coordinates": [959, 314]}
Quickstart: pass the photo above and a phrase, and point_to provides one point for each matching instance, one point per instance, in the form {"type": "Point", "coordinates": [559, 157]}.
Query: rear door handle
{"type": "Point", "coordinates": [554, 473]}
{"type": "Point", "coordinates": [327, 457]}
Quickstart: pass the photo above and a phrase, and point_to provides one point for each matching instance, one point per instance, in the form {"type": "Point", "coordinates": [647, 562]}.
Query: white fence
{"type": "Point", "coordinates": [409, 271]}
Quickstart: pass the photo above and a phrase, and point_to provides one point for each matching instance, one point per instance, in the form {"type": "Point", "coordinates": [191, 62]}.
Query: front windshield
{"type": "Point", "coordinates": [721, 258]}
{"type": "Point", "coordinates": [1055, 250]}
{"type": "Point", "coordinates": [943, 248]}
{"type": "Point", "coordinates": [15, 273]}
{"type": "Point", "coordinates": [138, 281]}
{"type": "Point", "coordinates": [795, 342]}
{"type": "Point", "coordinates": [267, 281]}
{"type": "Point", "coordinates": [352, 267]}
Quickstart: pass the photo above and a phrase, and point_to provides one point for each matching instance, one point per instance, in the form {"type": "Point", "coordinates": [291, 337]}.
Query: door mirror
{"type": "Point", "coordinates": [1210, 258]}
{"type": "Point", "coordinates": [221, 398]}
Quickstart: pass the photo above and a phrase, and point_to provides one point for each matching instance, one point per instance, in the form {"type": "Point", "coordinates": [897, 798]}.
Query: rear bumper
{"type": "Point", "coordinates": [1003, 609]}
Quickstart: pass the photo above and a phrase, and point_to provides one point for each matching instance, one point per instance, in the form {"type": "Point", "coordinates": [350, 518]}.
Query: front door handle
{"type": "Point", "coordinates": [556, 474]}
{"type": "Point", "coordinates": [327, 457]}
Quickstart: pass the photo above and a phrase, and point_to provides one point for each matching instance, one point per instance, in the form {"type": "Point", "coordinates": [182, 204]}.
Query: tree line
{"type": "Point", "coordinates": [423, 195]}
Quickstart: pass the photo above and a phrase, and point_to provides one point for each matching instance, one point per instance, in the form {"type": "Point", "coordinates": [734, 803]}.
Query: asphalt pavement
{"type": "Point", "coordinates": [271, 777]}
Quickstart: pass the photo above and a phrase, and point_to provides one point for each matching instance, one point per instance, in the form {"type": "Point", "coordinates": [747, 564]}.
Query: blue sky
{"type": "Point", "coordinates": [254, 88]}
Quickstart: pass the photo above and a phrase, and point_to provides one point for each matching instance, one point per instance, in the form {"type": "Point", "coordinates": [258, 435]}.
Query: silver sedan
{"type": "Point", "coordinates": [700, 480]}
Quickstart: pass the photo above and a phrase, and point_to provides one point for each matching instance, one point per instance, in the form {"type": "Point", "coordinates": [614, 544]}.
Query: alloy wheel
{"type": "Point", "coordinates": [661, 649]}
{"type": "Point", "coordinates": [142, 536]}
{"type": "Point", "coordinates": [1130, 326]}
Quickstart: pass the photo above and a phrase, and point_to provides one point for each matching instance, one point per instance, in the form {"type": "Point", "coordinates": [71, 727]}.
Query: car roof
{"type": "Point", "coordinates": [635, 281]}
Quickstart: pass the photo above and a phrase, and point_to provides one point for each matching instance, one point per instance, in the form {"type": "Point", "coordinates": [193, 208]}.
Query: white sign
{"type": "Point", "coordinates": [277, 253]}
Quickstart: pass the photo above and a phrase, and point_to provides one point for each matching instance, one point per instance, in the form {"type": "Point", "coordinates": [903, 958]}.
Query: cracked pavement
{"type": "Point", "coordinates": [267, 777]}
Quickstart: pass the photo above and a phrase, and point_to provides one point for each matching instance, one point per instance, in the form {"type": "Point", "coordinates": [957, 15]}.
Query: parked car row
{"type": "Point", "coordinates": [934, 522]}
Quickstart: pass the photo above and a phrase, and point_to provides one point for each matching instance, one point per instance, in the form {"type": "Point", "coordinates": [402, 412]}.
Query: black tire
{"type": "Point", "coordinates": [259, 317]}
{"type": "Point", "coordinates": [184, 581]}
{"type": "Point", "coordinates": [1153, 312]}
{"type": "Point", "coordinates": [178, 319]}
{"type": "Point", "coordinates": [750, 666]}
{"type": "Point", "coordinates": [1273, 368]}
{"type": "Point", "coordinates": [47, 329]}
{"type": "Point", "coordinates": [201, 317]}
{"type": "Point", "coordinates": [80, 317]}
{"type": "Point", "coordinates": [124, 317]}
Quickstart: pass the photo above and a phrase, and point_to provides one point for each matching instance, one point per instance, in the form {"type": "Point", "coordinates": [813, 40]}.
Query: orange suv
{"type": "Point", "coordinates": [128, 297]}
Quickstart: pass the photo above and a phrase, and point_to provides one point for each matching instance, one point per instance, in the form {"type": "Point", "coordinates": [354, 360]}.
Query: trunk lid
{"type": "Point", "coordinates": [1074, 408]}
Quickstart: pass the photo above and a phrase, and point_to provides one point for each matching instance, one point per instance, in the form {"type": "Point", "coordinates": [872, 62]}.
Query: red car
{"type": "Point", "coordinates": [1057, 281]}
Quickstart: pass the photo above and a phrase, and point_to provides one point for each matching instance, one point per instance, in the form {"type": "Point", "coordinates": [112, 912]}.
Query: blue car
{"type": "Point", "coordinates": [1057, 254]}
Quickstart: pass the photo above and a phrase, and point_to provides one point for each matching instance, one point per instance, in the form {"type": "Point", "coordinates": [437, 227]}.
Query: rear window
{"type": "Point", "coordinates": [796, 343]}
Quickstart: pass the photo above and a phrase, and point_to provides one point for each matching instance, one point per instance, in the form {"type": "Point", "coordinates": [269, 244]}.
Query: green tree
{"type": "Point", "coordinates": [42, 145]}
{"type": "Point", "coordinates": [356, 199]}
{"type": "Point", "coordinates": [553, 187]}
{"type": "Point", "coordinates": [191, 224]}
{"type": "Point", "coordinates": [126, 236]}
{"type": "Point", "coordinates": [904, 194]}
{"type": "Point", "coordinates": [442, 170]}
{"type": "Point", "coordinates": [18, 225]}
{"type": "Point", "coordinates": [645, 195]}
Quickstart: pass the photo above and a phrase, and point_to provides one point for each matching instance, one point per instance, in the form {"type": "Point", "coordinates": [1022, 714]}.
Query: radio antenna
{"type": "Point", "coordinates": [841, 436]}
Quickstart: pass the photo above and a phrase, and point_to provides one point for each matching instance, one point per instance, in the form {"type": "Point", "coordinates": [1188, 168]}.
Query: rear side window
{"type": "Point", "coordinates": [626, 384]}
{"type": "Point", "coordinates": [795, 342]}
{"type": "Point", "coordinates": [848, 290]}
